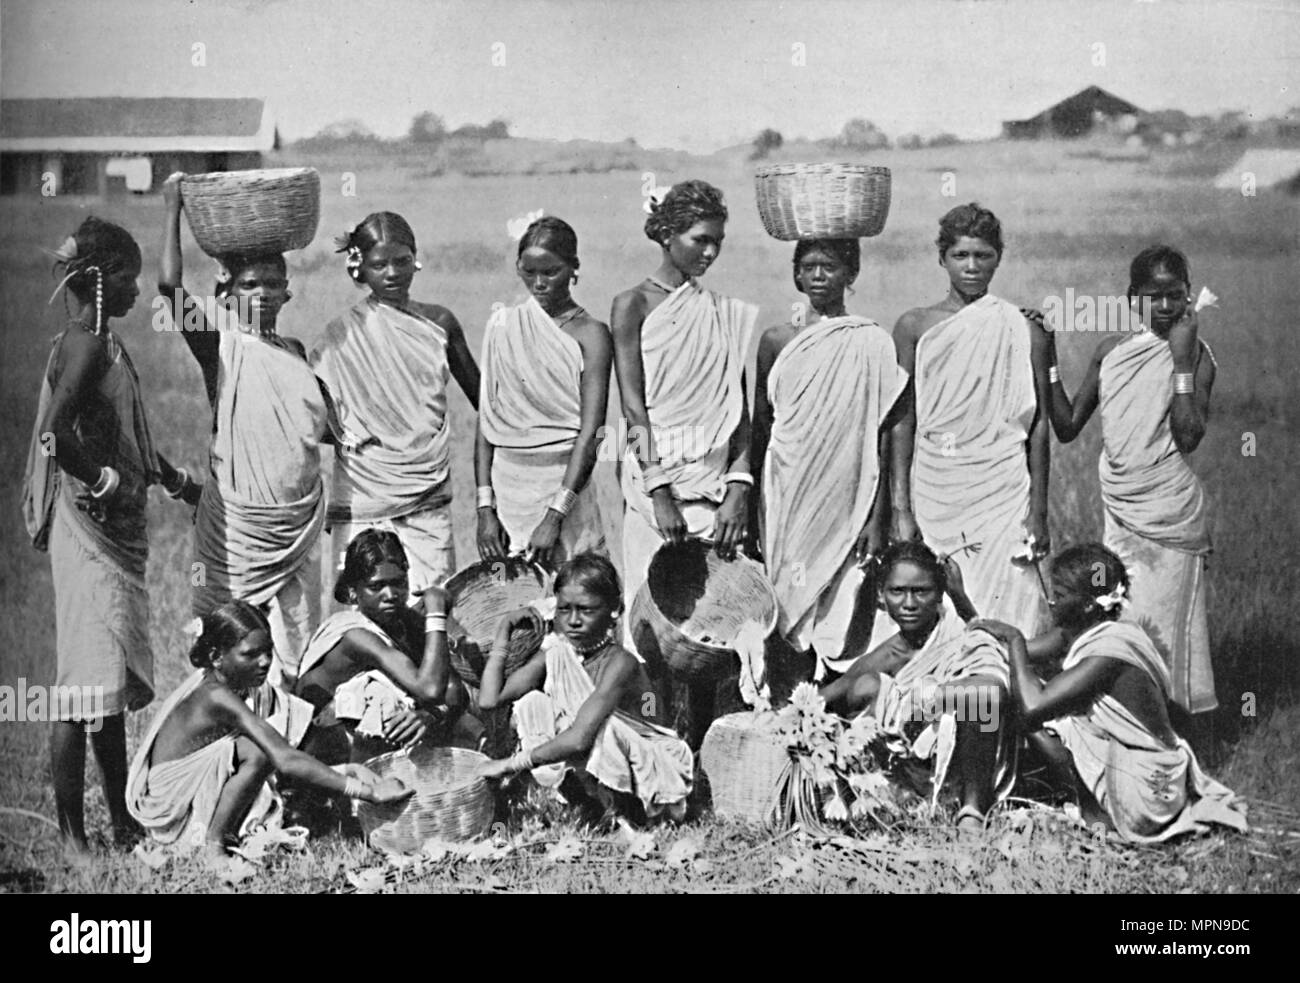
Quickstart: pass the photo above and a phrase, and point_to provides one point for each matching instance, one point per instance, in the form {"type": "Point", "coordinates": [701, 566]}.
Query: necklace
{"type": "Point", "coordinates": [563, 319]}
{"type": "Point", "coordinates": [587, 651]}
{"type": "Point", "coordinates": [654, 280]}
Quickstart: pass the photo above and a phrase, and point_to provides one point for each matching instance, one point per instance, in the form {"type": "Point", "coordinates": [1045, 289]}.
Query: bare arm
{"type": "Point", "coordinates": [459, 358]}
{"type": "Point", "coordinates": [494, 689]}
{"type": "Point", "coordinates": [903, 433]}
{"type": "Point", "coordinates": [1190, 412]}
{"type": "Point", "coordinates": [83, 362]}
{"type": "Point", "coordinates": [1036, 701]}
{"type": "Point", "coordinates": [204, 343]}
{"type": "Point", "coordinates": [427, 683]}
{"type": "Point", "coordinates": [769, 347]}
{"type": "Point", "coordinates": [1040, 445]}
{"type": "Point", "coordinates": [1069, 418]}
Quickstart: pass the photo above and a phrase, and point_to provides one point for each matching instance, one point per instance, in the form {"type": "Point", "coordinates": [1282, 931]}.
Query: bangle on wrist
{"type": "Point", "coordinates": [1053, 374]}
{"type": "Point", "coordinates": [107, 483]}
{"type": "Point", "coordinates": [485, 497]}
{"type": "Point", "coordinates": [1184, 383]}
{"type": "Point", "coordinates": [435, 622]}
{"type": "Point", "coordinates": [181, 485]}
{"type": "Point", "coordinates": [522, 761]}
{"type": "Point", "coordinates": [354, 788]}
{"type": "Point", "coordinates": [563, 501]}
{"type": "Point", "coordinates": [739, 478]}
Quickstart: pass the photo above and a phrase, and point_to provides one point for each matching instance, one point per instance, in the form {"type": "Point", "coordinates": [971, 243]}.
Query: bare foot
{"type": "Point", "coordinates": [127, 833]}
{"type": "Point", "coordinates": [970, 821]}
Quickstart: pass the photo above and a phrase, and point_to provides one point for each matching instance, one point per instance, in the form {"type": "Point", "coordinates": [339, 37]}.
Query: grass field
{"type": "Point", "coordinates": [1069, 221]}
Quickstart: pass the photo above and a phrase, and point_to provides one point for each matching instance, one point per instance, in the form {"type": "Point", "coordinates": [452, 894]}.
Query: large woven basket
{"type": "Point", "coordinates": [450, 801]}
{"type": "Point", "coordinates": [744, 762]}
{"type": "Point", "coordinates": [692, 606]}
{"type": "Point", "coordinates": [265, 211]}
{"type": "Point", "coordinates": [479, 595]}
{"type": "Point", "coordinates": [822, 201]}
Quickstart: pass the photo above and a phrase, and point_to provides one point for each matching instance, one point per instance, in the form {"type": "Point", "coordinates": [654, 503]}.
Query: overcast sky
{"type": "Point", "coordinates": [695, 75]}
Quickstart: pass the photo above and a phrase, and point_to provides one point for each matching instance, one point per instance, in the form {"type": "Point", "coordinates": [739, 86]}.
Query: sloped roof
{"type": "Point", "coordinates": [1094, 97]}
{"type": "Point", "coordinates": [1270, 167]}
{"type": "Point", "coordinates": [135, 125]}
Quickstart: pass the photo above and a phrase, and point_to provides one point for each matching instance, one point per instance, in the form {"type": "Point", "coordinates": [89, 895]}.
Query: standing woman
{"type": "Point", "coordinates": [823, 398]}
{"type": "Point", "coordinates": [545, 386]}
{"type": "Point", "coordinates": [258, 526]}
{"type": "Point", "coordinates": [971, 456]}
{"type": "Point", "coordinates": [1153, 387]}
{"type": "Point", "coordinates": [386, 363]}
{"type": "Point", "coordinates": [84, 495]}
{"type": "Point", "coordinates": [679, 351]}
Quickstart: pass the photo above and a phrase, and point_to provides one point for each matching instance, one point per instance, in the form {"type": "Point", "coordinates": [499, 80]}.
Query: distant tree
{"type": "Point", "coordinates": [767, 141]}
{"type": "Point", "coordinates": [341, 133]}
{"type": "Point", "coordinates": [942, 140]}
{"type": "Point", "coordinates": [498, 129]}
{"type": "Point", "coordinates": [427, 127]}
{"type": "Point", "coordinates": [861, 134]}
{"type": "Point", "coordinates": [909, 141]}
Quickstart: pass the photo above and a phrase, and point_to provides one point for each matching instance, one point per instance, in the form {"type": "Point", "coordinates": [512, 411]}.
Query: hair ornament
{"type": "Point", "coordinates": [1115, 599]}
{"type": "Point", "coordinates": [654, 199]}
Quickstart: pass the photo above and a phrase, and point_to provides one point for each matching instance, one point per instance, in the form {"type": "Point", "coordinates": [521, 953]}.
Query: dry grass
{"type": "Point", "coordinates": [1069, 222]}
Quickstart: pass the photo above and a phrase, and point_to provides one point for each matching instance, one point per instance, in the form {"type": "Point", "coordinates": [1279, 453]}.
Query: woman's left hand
{"type": "Point", "coordinates": [408, 726]}
{"type": "Point", "coordinates": [1000, 630]}
{"type": "Point", "coordinates": [1183, 340]}
{"type": "Point", "coordinates": [731, 520]}
{"type": "Point", "coordinates": [492, 770]}
{"type": "Point", "coordinates": [1041, 534]}
{"type": "Point", "coordinates": [544, 538]}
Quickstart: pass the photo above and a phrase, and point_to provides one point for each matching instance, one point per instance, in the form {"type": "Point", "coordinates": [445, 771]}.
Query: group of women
{"type": "Point", "coordinates": [858, 447]}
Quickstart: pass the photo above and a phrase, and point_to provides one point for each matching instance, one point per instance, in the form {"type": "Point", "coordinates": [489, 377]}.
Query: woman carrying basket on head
{"type": "Point", "coordinates": [545, 384]}
{"type": "Point", "coordinates": [91, 463]}
{"type": "Point", "coordinates": [258, 525]}
{"type": "Point", "coordinates": [826, 392]}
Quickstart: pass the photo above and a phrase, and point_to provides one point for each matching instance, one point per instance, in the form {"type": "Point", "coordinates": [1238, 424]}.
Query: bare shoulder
{"type": "Point", "coordinates": [776, 338]}
{"type": "Point", "coordinates": [916, 322]}
{"type": "Point", "coordinates": [438, 314]}
{"type": "Point", "coordinates": [628, 311]}
{"type": "Point", "coordinates": [1107, 345]}
{"type": "Point", "coordinates": [589, 331]}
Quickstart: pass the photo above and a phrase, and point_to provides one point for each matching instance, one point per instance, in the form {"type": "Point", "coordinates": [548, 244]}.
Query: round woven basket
{"type": "Point", "coordinates": [266, 211]}
{"type": "Point", "coordinates": [692, 606]}
{"type": "Point", "coordinates": [743, 762]}
{"type": "Point", "coordinates": [822, 201]}
{"type": "Point", "coordinates": [450, 801]}
{"type": "Point", "coordinates": [479, 595]}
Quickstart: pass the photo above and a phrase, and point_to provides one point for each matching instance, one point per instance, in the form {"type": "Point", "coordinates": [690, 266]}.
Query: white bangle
{"type": "Point", "coordinates": [435, 622]}
{"type": "Point", "coordinates": [107, 483]}
{"type": "Point", "coordinates": [1053, 374]}
{"type": "Point", "coordinates": [181, 485]}
{"type": "Point", "coordinates": [1184, 383]}
{"type": "Point", "coordinates": [485, 497]}
{"type": "Point", "coordinates": [739, 477]}
{"type": "Point", "coordinates": [522, 761]}
{"type": "Point", "coordinates": [354, 788]}
{"type": "Point", "coordinates": [564, 500]}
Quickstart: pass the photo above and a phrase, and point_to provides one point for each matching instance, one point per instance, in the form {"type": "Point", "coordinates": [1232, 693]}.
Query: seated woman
{"type": "Point", "coordinates": [365, 670]}
{"type": "Point", "coordinates": [1104, 721]}
{"type": "Point", "coordinates": [200, 775]}
{"type": "Point", "coordinates": [936, 688]}
{"type": "Point", "coordinates": [584, 706]}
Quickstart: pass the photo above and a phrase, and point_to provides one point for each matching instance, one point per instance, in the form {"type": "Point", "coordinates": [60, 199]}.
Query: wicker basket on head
{"type": "Point", "coordinates": [479, 595]}
{"type": "Point", "coordinates": [265, 211]}
{"type": "Point", "coordinates": [822, 201]}
{"type": "Point", "coordinates": [744, 764]}
{"type": "Point", "coordinates": [450, 802]}
{"type": "Point", "coordinates": [692, 606]}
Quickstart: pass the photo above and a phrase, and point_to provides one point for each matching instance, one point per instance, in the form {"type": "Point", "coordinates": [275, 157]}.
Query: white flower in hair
{"type": "Point", "coordinates": [516, 227]}
{"type": "Point", "coordinates": [1115, 599]}
{"type": "Point", "coordinates": [223, 273]}
{"type": "Point", "coordinates": [1205, 298]}
{"type": "Point", "coordinates": [67, 251]}
{"type": "Point", "coordinates": [193, 628]}
{"type": "Point", "coordinates": [654, 199]}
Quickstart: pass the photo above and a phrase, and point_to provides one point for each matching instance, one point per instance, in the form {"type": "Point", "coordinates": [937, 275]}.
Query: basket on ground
{"type": "Point", "coordinates": [263, 211]}
{"type": "Point", "coordinates": [479, 595]}
{"type": "Point", "coordinates": [450, 802]}
{"type": "Point", "coordinates": [822, 201]}
{"type": "Point", "coordinates": [744, 763]}
{"type": "Point", "coordinates": [694, 604]}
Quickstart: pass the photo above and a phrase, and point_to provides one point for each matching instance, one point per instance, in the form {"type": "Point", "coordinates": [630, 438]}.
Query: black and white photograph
{"type": "Point", "coordinates": [651, 447]}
